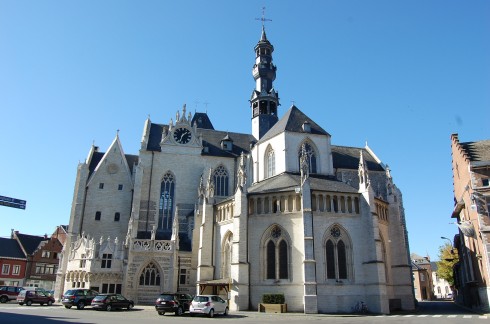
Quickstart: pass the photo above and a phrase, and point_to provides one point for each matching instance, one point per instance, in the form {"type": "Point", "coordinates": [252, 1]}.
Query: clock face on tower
{"type": "Point", "coordinates": [182, 135]}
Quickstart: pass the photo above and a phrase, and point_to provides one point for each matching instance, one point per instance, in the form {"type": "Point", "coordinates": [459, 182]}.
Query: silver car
{"type": "Point", "coordinates": [208, 305]}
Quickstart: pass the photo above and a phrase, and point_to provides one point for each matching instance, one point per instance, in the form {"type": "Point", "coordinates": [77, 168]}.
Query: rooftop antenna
{"type": "Point", "coordinates": [263, 19]}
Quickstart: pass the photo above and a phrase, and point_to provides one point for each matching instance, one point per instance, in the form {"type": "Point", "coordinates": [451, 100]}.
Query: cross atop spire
{"type": "Point", "coordinates": [263, 19]}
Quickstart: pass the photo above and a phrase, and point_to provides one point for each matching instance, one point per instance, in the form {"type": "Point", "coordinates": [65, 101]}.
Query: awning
{"type": "Point", "coordinates": [221, 283]}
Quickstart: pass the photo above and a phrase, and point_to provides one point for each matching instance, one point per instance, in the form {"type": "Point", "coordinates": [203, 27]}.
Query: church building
{"type": "Point", "coordinates": [203, 211]}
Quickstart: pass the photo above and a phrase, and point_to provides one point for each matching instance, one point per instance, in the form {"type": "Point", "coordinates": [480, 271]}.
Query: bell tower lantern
{"type": "Point", "coordinates": [264, 100]}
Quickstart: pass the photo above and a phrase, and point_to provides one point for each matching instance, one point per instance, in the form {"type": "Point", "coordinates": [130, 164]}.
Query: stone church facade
{"type": "Point", "coordinates": [281, 210]}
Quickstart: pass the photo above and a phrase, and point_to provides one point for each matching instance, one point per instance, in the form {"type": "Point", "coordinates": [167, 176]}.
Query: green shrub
{"type": "Point", "coordinates": [273, 299]}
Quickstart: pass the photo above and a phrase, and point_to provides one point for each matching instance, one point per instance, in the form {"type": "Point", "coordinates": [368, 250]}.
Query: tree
{"type": "Point", "coordinates": [448, 257]}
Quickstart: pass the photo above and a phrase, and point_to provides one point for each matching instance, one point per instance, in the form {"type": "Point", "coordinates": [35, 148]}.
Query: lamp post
{"type": "Point", "coordinates": [450, 242]}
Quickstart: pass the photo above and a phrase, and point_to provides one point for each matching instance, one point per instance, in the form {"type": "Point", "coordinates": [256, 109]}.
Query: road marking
{"type": "Point", "coordinates": [452, 316]}
{"type": "Point", "coordinates": [483, 317]}
{"type": "Point", "coordinates": [437, 316]}
{"type": "Point", "coordinates": [467, 316]}
{"type": "Point", "coordinates": [423, 315]}
{"type": "Point", "coordinates": [408, 315]}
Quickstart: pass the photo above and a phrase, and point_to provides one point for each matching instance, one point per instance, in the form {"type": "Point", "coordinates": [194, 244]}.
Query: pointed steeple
{"type": "Point", "coordinates": [363, 173]}
{"type": "Point", "coordinates": [264, 100]}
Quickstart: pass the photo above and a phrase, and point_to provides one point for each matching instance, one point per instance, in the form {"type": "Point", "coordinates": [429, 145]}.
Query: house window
{"type": "Point", "coordinates": [46, 254]}
{"type": "Point", "coordinates": [310, 157]}
{"type": "Point", "coordinates": [6, 269]}
{"type": "Point", "coordinates": [167, 189]}
{"type": "Point", "coordinates": [101, 185]}
{"type": "Point", "coordinates": [484, 182]}
{"type": "Point", "coordinates": [221, 181]}
{"type": "Point", "coordinates": [106, 260]}
{"type": "Point", "coordinates": [111, 288]}
{"type": "Point", "coordinates": [270, 163]}
{"type": "Point", "coordinates": [276, 255]}
{"type": "Point", "coordinates": [150, 276]}
{"type": "Point", "coordinates": [97, 215]}
{"type": "Point", "coordinates": [337, 254]}
{"type": "Point", "coordinates": [120, 187]}
{"type": "Point", "coordinates": [183, 278]}
{"type": "Point", "coordinates": [16, 270]}
{"type": "Point", "coordinates": [117, 216]}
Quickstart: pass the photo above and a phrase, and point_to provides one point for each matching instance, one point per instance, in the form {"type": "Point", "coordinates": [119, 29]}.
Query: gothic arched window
{"type": "Point", "coordinates": [221, 181]}
{"type": "Point", "coordinates": [165, 211]}
{"type": "Point", "coordinates": [226, 256]}
{"type": "Point", "coordinates": [276, 254]}
{"type": "Point", "coordinates": [311, 156]}
{"type": "Point", "coordinates": [150, 276]}
{"type": "Point", "coordinates": [270, 163]}
{"type": "Point", "coordinates": [337, 254]}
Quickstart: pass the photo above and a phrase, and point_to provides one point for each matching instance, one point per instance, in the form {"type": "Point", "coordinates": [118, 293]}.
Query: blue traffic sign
{"type": "Point", "coordinates": [12, 202]}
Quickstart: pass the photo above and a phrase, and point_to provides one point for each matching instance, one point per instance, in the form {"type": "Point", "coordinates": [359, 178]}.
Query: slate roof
{"type": "Point", "coordinates": [477, 151]}
{"type": "Point", "coordinates": [290, 181]}
{"type": "Point", "coordinates": [9, 248]}
{"type": "Point", "coordinates": [345, 157]}
{"type": "Point", "coordinates": [293, 121]}
{"type": "Point", "coordinates": [202, 121]}
{"type": "Point", "coordinates": [30, 242]}
{"type": "Point", "coordinates": [211, 139]}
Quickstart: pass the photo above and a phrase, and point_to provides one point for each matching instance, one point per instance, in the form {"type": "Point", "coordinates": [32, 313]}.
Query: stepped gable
{"type": "Point", "coordinates": [345, 157]}
{"type": "Point", "coordinates": [293, 121]}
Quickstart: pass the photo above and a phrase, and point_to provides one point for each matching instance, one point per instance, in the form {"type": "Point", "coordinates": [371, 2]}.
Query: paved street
{"type": "Point", "coordinates": [433, 312]}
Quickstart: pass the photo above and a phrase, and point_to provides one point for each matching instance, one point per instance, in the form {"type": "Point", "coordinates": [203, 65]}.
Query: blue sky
{"type": "Point", "coordinates": [401, 75]}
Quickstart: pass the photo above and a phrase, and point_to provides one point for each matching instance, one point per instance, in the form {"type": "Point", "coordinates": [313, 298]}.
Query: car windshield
{"type": "Point", "coordinates": [201, 299]}
{"type": "Point", "coordinates": [70, 292]}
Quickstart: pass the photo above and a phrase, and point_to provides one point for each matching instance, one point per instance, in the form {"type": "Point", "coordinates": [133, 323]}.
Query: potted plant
{"type": "Point", "coordinates": [273, 303]}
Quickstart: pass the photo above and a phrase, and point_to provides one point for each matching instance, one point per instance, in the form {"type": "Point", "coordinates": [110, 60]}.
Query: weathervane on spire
{"type": "Point", "coordinates": [263, 19]}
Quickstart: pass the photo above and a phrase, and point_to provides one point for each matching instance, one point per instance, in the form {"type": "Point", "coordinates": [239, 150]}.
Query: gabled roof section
{"type": "Point", "coordinates": [293, 121]}
{"type": "Point", "coordinates": [97, 157]}
{"type": "Point", "coordinates": [9, 248]}
{"type": "Point", "coordinates": [201, 120]}
{"type": "Point", "coordinates": [290, 181]}
{"type": "Point", "coordinates": [30, 243]}
{"type": "Point", "coordinates": [345, 157]}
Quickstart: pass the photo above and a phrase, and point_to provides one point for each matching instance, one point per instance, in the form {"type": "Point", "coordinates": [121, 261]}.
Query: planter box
{"type": "Point", "coordinates": [273, 308]}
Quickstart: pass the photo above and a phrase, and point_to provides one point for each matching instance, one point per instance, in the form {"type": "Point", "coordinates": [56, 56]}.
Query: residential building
{"type": "Point", "coordinates": [41, 253]}
{"type": "Point", "coordinates": [280, 210]}
{"type": "Point", "coordinates": [440, 286]}
{"type": "Point", "coordinates": [13, 263]}
{"type": "Point", "coordinates": [471, 176]}
{"type": "Point", "coordinates": [422, 277]}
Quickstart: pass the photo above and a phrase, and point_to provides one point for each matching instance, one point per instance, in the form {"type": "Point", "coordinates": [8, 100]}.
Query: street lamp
{"type": "Point", "coordinates": [451, 243]}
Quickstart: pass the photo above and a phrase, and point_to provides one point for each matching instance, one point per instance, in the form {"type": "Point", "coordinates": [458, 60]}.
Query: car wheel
{"type": "Point", "coordinates": [29, 302]}
{"type": "Point", "coordinates": [161, 313]}
{"type": "Point", "coordinates": [179, 311]}
{"type": "Point", "coordinates": [4, 299]}
{"type": "Point", "coordinates": [130, 306]}
{"type": "Point", "coordinates": [226, 311]}
{"type": "Point", "coordinates": [81, 305]}
{"type": "Point", "coordinates": [108, 308]}
{"type": "Point", "coordinates": [211, 313]}
{"type": "Point", "coordinates": [67, 306]}
{"type": "Point", "coordinates": [50, 303]}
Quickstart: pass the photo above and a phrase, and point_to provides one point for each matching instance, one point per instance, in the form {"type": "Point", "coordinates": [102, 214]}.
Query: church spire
{"type": "Point", "coordinates": [264, 100]}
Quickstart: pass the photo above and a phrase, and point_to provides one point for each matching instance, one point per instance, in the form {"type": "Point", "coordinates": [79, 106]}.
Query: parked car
{"type": "Point", "coordinates": [78, 297]}
{"type": "Point", "coordinates": [173, 303]}
{"type": "Point", "coordinates": [209, 305]}
{"type": "Point", "coordinates": [110, 302]}
{"type": "Point", "coordinates": [8, 293]}
{"type": "Point", "coordinates": [30, 297]}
